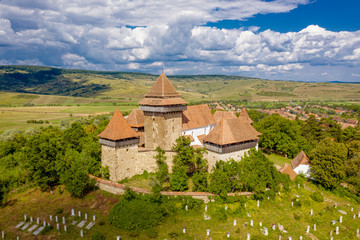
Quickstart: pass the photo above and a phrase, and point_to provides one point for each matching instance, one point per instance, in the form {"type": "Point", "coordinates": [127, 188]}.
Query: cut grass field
{"type": "Point", "coordinates": [274, 211]}
{"type": "Point", "coordinates": [17, 117]}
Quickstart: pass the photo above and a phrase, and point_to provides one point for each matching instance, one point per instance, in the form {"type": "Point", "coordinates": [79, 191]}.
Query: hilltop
{"type": "Point", "coordinates": [131, 87]}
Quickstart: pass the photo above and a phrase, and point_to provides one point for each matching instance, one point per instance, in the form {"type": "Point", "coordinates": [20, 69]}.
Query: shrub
{"type": "Point", "coordinates": [297, 216]}
{"type": "Point", "coordinates": [178, 179]}
{"type": "Point", "coordinates": [200, 181]}
{"type": "Point", "coordinates": [136, 214]}
{"type": "Point", "coordinates": [101, 222]}
{"type": "Point", "coordinates": [191, 202]}
{"type": "Point", "coordinates": [59, 211]}
{"type": "Point", "coordinates": [316, 196]}
{"type": "Point", "coordinates": [220, 214]}
{"type": "Point", "coordinates": [98, 236]}
{"type": "Point", "coordinates": [134, 233]}
{"type": "Point", "coordinates": [152, 233]}
{"type": "Point", "coordinates": [173, 234]}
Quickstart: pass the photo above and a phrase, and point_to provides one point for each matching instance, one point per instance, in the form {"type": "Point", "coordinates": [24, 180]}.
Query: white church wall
{"type": "Point", "coordinates": [194, 132]}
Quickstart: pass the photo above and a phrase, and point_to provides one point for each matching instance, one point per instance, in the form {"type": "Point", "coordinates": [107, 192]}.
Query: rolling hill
{"type": "Point", "coordinates": [131, 87]}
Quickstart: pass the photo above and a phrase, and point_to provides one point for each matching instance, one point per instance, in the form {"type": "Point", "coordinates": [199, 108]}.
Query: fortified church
{"type": "Point", "coordinates": [128, 145]}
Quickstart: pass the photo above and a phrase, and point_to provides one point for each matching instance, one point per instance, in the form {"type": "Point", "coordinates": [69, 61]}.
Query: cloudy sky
{"type": "Point", "coordinates": [306, 40]}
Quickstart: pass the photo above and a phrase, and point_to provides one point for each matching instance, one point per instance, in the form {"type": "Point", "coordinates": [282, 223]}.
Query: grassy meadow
{"type": "Point", "coordinates": [294, 219]}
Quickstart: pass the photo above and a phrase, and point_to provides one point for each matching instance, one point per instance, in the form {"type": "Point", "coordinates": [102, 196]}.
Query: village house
{"type": "Point", "coordinates": [128, 145]}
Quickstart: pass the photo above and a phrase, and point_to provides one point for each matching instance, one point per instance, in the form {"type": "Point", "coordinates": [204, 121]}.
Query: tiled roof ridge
{"type": "Point", "coordinates": [301, 158]}
{"type": "Point", "coordinates": [118, 128]}
{"type": "Point", "coordinates": [162, 88]}
{"type": "Point", "coordinates": [244, 115]}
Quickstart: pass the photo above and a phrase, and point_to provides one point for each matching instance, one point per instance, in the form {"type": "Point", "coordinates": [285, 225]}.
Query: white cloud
{"type": "Point", "coordinates": [92, 34]}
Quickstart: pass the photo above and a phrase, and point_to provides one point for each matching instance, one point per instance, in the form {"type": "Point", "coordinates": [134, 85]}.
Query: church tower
{"type": "Point", "coordinates": [119, 147]}
{"type": "Point", "coordinates": [162, 107]}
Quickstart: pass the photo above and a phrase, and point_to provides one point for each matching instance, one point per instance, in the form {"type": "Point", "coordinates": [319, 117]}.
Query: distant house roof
{"type": "Point", "coordinates": [288, 170]}
{"type": "Point", "coordinates": [244, 117]}
{"type": "Point", "coordinates": [197, 116]}
{"type": "Point", "coordinates": [222, 115]}
{"type": "Point", "coordinates": [351, 121]}
{"type": "Point", "coordinates": [118, 128]}
{"type": "Point", "coordinates": [300, 159]}
{"type": "Point", "coordinates": [162, 94]}
{"type": "Point", "coordinates": [230, 131]}
{"type": "Point", "coordinates": [338, 119]}
{"type": "Point", "coordinates": [136, 118]}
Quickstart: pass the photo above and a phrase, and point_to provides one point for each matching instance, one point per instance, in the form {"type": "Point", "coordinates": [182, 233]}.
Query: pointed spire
{"type": "Point", "coordinates": [162, 88]}
{"type": "Point", "coordinates": [244, 117]}
{"type": "Point", "coordinates": [118, 128]}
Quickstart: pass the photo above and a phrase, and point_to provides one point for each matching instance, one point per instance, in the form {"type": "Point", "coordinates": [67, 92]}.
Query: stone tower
{"type": "Point", "coordinates": [119, 145]}
{"type": "Point", "coordinates": [162, 107]}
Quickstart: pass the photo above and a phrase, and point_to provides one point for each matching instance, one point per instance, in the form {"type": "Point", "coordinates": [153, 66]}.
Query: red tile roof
{"type": "Point", "coordinates": [230, 131]}
{"type": "Point", "coordinates": [197, 116]}
{"type": "Point", "coordinates": [244, 117]}
{"type": "Point", "coordinates": [201, 138]}
{"type": "Point", "coordinates": [136, 118]}
{"type": "Point", "coordinates": [162, 88]}
{"type": "Point", "coordinates": [118, 128]}
{"type": "Point", "coordinates": [222, 115]}
{"type": "Point", "coordinates": [300, 159]}
{"type": "Point", "coordinates": [162, 94]}
{"type": "Point", "coordinates": [288, 170]}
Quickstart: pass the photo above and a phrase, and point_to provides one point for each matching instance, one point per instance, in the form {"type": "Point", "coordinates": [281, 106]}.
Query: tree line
{"type": "Point", "coordinates": [49, 156]}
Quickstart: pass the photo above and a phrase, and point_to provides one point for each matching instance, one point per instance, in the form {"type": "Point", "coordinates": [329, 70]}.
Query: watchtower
{"type": "Point", "coordinates": [119, 147]}
{"type": "Point", "coordinates": [162, 107]}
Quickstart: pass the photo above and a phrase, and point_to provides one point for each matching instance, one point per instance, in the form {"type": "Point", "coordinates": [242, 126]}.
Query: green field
{"type": "Point", "coordinates": [44, 93]}
{"type": "Point", "coordinates": [17, 117]}
{"type": "Point", "coordinates": [131, 87]}
{"type": "Point", "coordinates": [274, 211]}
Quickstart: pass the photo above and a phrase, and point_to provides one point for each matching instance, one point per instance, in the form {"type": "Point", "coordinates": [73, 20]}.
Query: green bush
{"type": "Point", "coordinates": [134, 233]}
{"type": "Point", "coordinates": [98, 236]}
{"type": "Point", "coordinates": [191, 202]}
{"type": "Point", "coordinates": [316, 196]}
{"type": "Point", "coordinates": [173, 234]}
{"type": "Point", "coordinates": [136, 214]}
{"type": "Point", "coordinates": [297, 216]}
{"type": "Point", "coordinates": [220, 214]}
{"type": "Point", "coordinates": [178, 179]}
{"type": "Point", "coordinates": [152, 233]}
{"type": "Point", "coordinates": [59, 211]}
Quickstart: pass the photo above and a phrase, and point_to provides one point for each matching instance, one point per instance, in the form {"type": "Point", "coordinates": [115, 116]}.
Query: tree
{"type": "Point", "coordinates": [75, 176]}
{"type": "Point", "coordinates": [200, 181]}
{"type": "Point", "coordinates": [187, 162]}
{"type": "Point", "coordinates": [353, 173]}
{"type": "Point", "coordinates": [281, 135]}
{"type": "Point", "coordinates": [328, 163]}
{"type": "Point", "coordinates": [41, 152]}
{"type": "Point", "coordinates": [219, 182]}
{"type": "Point", "coordinates": [178, 179]}
{"type": "Point", "coordinates": [162, 174]}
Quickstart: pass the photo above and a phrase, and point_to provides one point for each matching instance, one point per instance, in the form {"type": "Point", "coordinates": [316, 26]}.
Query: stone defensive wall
{"type": "Point", "coordinates": [119, 189]}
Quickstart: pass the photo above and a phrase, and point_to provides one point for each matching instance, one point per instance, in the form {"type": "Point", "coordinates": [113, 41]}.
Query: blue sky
{"type": "Point", "coordinates": [333, 15]}
{"type": "Point", "coordinates": [304, 40]}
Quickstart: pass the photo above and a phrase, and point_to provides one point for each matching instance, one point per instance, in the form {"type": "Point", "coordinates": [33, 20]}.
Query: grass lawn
{"type": "Point", "coordinates": [35, 203]}
{"type": "Point", "coordinates": [278, 160]}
